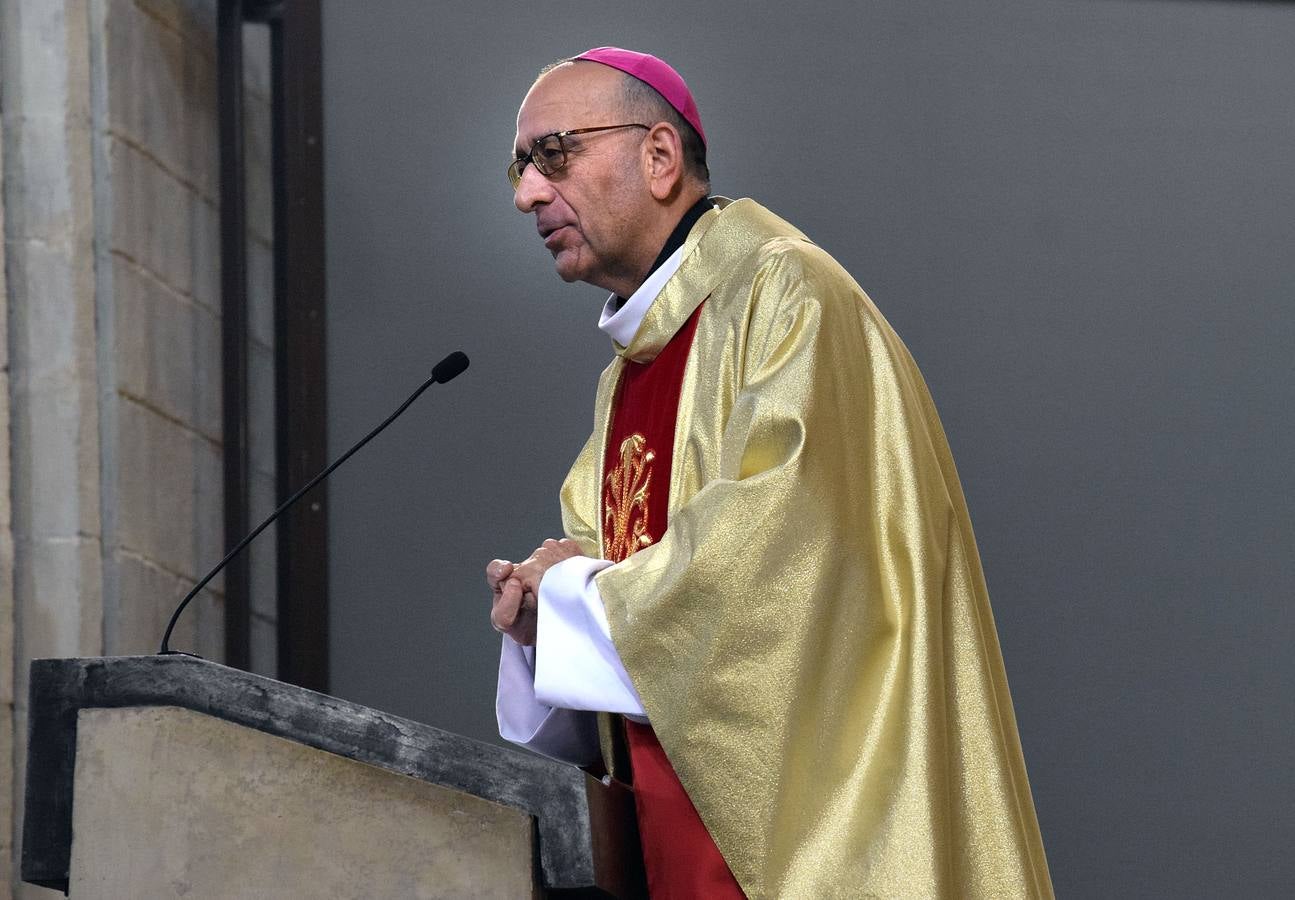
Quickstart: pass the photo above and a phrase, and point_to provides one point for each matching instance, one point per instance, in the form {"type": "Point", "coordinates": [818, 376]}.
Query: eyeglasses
{"type": "Point", "coordinates": [549, 153]}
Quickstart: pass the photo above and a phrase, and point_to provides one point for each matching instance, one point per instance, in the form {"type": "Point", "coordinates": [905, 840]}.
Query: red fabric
{"type": "Point", "coordinates": [647, 402]}
{"type": "Point", "coordinates": [681, 860]}
{"type": "Point", "coordinates": [679, 856]}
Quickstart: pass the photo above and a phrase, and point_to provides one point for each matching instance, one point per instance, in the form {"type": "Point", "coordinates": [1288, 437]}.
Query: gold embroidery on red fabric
{"type": "Point", "coordinates": [625, 500]}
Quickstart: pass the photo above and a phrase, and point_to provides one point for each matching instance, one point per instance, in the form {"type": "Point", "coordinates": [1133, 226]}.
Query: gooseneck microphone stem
{"type": "Point", "coordinates": [448, 368]}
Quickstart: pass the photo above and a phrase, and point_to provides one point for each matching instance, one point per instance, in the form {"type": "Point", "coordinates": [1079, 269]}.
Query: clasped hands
{"type": "Point", "coordinates": [516, 588]}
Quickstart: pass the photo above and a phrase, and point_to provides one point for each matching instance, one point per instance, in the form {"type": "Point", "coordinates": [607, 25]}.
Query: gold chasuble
{"type": "Point", "coordinates": [811, 636]}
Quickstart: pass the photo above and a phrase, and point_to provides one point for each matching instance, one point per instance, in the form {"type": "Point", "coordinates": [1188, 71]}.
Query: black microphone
{"type": "Point", "coordinates": [449, 368]}
{"type": "Point", "coordinates": [445, 370]}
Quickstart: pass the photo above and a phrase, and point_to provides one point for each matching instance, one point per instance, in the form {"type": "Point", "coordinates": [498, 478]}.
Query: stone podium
{"type": "Point", "coordinates": [172, 776]}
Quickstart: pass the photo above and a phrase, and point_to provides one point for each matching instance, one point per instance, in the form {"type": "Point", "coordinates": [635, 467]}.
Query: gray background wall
{"type": "Point", "coordinates": [1077, 214]}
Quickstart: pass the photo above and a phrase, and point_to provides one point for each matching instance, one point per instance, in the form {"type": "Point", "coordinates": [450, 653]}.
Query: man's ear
{"type": "Point", "coordinates": [663, 160]}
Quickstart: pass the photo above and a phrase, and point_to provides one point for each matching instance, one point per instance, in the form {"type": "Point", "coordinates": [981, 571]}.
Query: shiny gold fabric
{"type": "Point", "coordinates": [812, 637]}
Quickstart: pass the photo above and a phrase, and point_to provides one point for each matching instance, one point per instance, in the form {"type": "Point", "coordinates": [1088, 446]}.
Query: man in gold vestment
{"type": "Point", "coordinates": [811, 637]}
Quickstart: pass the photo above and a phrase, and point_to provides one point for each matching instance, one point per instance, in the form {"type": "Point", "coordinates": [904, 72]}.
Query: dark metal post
{"type": "Point", "coordinates": [301, 442]}
{"type": "Point", "coordinates": [233, 322]}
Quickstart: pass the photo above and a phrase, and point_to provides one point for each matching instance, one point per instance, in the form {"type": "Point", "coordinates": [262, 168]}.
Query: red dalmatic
{"type": "Point", "coordinates": [679, 856]}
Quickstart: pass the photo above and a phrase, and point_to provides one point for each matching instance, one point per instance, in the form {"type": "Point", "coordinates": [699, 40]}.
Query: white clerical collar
{"type": "Point", "coordinates": [622, 324]}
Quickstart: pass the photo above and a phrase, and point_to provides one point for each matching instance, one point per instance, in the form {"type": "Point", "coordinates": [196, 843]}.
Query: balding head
{"type": "Point", "coordinates": [585, 90]}
{"type": "Point", "coordinates": [605, 214]}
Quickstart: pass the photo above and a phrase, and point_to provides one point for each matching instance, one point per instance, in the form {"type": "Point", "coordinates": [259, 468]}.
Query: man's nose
{"type": "Point", "coordinates": [532, 190]}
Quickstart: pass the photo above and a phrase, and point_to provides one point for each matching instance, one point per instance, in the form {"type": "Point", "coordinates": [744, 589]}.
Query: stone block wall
{"type": "Point", "coordinates": [158, 253]}
{"type": "Point", "coordinates": [110, 347]}
{"type": "Point", "coordinates": [53, 388]}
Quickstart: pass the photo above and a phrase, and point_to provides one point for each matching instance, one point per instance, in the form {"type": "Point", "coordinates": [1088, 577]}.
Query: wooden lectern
{"type": "Point", "coordinates": [160, 776]}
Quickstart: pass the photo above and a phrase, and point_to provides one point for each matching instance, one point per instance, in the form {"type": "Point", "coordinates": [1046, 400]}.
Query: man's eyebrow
{"type": "Point", "coordinates": [523, 150]}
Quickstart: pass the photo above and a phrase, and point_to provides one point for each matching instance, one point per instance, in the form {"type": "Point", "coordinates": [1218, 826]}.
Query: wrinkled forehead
{"type": "Point", "coordinates": [574, 95]}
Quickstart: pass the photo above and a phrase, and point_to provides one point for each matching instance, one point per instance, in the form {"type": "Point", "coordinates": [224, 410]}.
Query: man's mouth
{"type": "Point", "coordinates": [551, 236]}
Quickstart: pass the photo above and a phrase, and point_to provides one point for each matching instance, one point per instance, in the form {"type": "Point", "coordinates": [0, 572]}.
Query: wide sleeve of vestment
{"type": "Point", "coordinates": [576, 666]}
{"type": "Point", "coordinates": [811, 638]}
{"type": "Point", "coordinates": [567, 735]}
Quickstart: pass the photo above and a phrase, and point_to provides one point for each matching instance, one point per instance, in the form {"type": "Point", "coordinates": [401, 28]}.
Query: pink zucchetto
{"type": "Point", "coordinates": [657, 74]}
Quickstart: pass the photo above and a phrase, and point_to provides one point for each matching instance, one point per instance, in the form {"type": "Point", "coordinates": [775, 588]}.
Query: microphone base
{"type": "Point", "coordinates": [180, 653]}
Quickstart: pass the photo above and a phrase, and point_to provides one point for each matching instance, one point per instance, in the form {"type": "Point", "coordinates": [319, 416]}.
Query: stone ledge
{"type": "Point", "coordinates": [59, 688]}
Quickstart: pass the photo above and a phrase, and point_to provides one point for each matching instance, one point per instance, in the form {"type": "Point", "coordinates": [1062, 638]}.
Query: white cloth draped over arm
{"type": "Point", "coordinates": [576, 663]}
{"type": "Point", "coordinates": [567, 735]}
{"type": "Point", "coordinates": [547, 695]}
